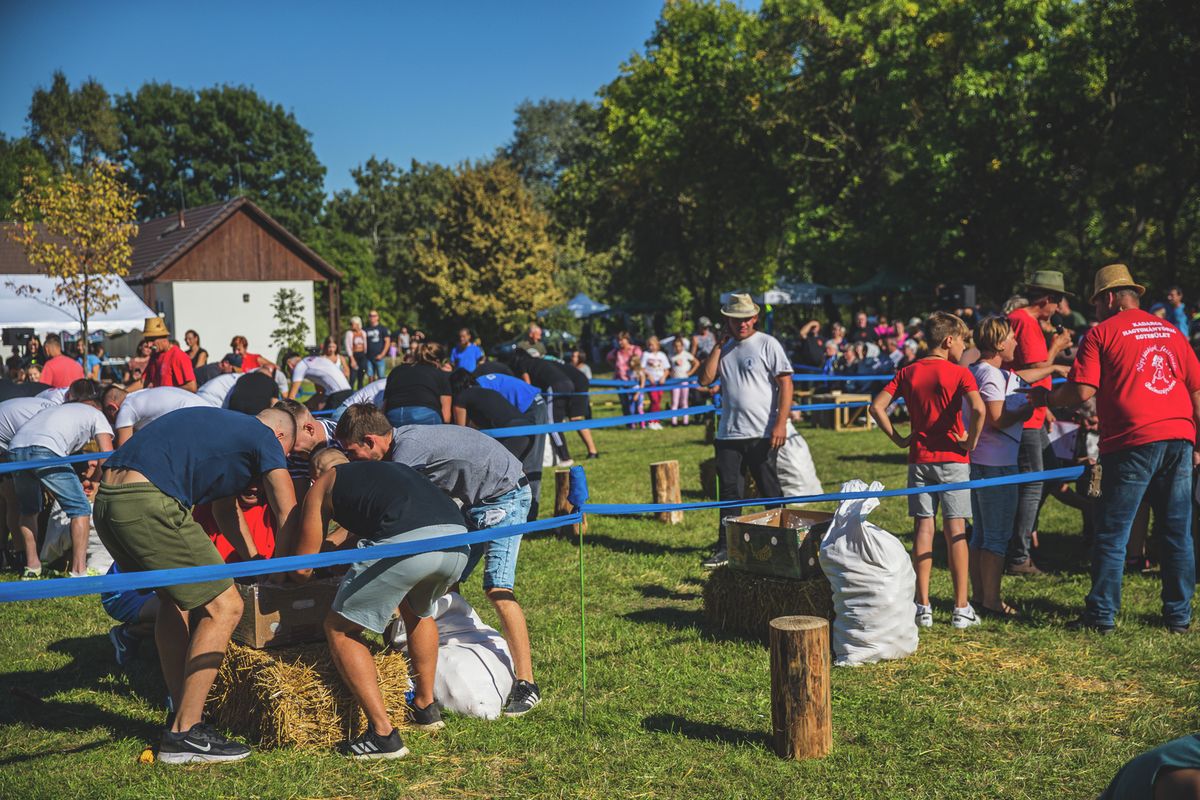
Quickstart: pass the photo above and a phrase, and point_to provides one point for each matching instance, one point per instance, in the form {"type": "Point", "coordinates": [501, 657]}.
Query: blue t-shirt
{"type": "Point", "coordinates": [198, 455]}
{"type": "Point", "coordinates": [466, 357]}
{"type": "Point", "coordinates": [92, 361]}
{"type": "Point", "coordinates": [515, 390]}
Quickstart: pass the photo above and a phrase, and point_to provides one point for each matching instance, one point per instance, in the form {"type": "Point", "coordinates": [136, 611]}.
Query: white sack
{"type": "Point", "coordinates": [58, 534]}
{"type": "Point", "coordinates": [797, 473]}
{"type": "Point", "coordinates": [474, 670]}
{"type": "Point", "coordinates": [98, 558]}
{"type": "Point", "coordinates": [873, 585]}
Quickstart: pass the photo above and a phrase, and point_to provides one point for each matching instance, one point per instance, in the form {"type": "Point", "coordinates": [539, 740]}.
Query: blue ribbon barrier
{"type": "Point", "coordinates": [18, 466]}
{"type": "Point", "coordinates": [1065, 473]}
{"type": "Point", "coordinates": [611, 382]}
{"type": "Point", "coordinates": [70, 587]}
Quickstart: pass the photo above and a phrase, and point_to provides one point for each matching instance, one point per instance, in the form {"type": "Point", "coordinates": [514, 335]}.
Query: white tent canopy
{"type": "Point", "coordinates": [786, 293]}
{"type": "Point", "coordinates": [29, 301]}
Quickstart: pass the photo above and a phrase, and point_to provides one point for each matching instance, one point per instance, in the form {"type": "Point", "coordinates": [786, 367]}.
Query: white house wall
{"type": "Point", "coordinates": [220, 310]}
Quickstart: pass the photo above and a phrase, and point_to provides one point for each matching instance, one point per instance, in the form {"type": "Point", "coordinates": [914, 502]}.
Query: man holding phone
{"type": "Point", "coordinates": [756, 395]}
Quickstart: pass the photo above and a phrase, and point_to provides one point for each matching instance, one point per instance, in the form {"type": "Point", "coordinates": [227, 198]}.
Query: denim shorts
{"type": "Point", "coordinates": [955, 504]}
{"type": "Point", "coordinates": [413, 415]}
{"type": "Point", "coordinates": [125, 606]}
{"type": "Point", "coordinates": [994, 509]}
{"type": "Point", "coordinates": [371, 590]}
{"type": "Point", "coordinates": [61, 481]}
{"type": "Point", "coordinates": [500, 566]}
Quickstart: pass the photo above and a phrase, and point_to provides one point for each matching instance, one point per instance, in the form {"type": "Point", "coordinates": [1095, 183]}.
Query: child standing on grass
{"type": "Point", "coordinates": [683, 366]}
{"type": "Point", "coordinates": [934, 390]}
{"type": "Point", "coordinates": [656, 366]}
{"type": "Point", "coordinates": [637, 402]}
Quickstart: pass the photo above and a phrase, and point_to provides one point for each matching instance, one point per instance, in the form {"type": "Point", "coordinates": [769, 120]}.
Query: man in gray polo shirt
{"type": "Point", "coordinates": [480, 473]}
{"type": "Point", "coordinates": [756, 395]}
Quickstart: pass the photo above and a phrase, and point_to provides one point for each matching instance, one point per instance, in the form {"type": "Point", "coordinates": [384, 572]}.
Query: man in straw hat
{"type": "Point", "coordinates": [1146, 381]}
{"type": "Point", "coordinates": [169, 365]}
{"type": "Point", "coordinates": [756, 395]}
{"type": "Point", "coordinates": [1045, 291]}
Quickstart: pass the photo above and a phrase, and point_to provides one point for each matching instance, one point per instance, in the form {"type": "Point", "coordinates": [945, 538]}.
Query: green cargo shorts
{"type": "Point", "coordinates": [145, 529]}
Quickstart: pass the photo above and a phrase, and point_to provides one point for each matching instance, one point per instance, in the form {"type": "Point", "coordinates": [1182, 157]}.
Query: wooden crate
{"type": "Point", "coordinates": [841, 419]}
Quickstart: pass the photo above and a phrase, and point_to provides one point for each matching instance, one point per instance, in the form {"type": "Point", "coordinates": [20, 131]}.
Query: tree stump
{"type": "Point", "coordinates": [664, 481]}
{"type": "Point", "coordinates": [801, 716]}
{"type": "Point", "coordinates": [562, 488]}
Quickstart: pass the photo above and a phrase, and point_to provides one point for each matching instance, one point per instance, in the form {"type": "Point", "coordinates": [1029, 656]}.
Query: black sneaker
{"type": "Point", "coordinates": [202, 744]}
{"type": "Point", "coordinates": [521, 700]}
{"type": "Point", "coordinates": [593, 455]}
{"type": "Point", "coordinates": [372, 746]}
{"type": "Point", "coordinates": [428, 718]}
{"type": "Point", "coordinates": [719, 558]}
{"type": "Point", "coordinates": [1180, 630]}
{"type": "Point", "coordinates": [1085, 624]}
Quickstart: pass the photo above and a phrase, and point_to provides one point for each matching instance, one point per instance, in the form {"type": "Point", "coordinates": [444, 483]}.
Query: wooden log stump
{"type": "Point", "coordinates": [562, 488]}
{"type": "Point", "coordinates": [801, 716]}
{"type": "Point", "coordinates": [664, 481]}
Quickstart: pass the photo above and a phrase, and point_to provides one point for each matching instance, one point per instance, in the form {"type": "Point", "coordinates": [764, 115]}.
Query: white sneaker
{"type": "Point", "coordinates": [924, 616]}
{"type": "Point", "coordinates": [655, 426]}
{"type": "Point", "coordinates": [964, 617]}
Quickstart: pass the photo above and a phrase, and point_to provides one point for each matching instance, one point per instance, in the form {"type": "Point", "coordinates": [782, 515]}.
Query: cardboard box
{"type": "Point", "coordinates": [279, 616]}
{"type": "Point", "coordinates": [782, 542]}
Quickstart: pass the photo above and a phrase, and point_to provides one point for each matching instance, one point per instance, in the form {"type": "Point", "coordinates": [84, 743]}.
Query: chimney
{"type": "Point", "coordinates": [182, 221]}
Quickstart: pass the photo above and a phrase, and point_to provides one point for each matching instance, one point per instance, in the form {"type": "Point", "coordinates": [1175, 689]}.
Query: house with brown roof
{"type": "Point", "coordinates": [215, 269]}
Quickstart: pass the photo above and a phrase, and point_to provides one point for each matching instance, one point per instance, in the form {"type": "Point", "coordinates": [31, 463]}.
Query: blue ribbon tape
{"type": "Point", "coordinates": [125, 581]}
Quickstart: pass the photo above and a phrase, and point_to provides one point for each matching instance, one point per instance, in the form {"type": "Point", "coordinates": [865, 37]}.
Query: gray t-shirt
{"type": "Point", "coordinates": [467, 465]}
{"type": "Point", "coordinates": [749, 393]}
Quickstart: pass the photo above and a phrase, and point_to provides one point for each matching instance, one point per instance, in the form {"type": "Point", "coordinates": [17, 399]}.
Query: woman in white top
{"type": "Point", "coordinates": [683, 366]}
{"type": "Point", "coordinates": [656, 365]}
{"type": "Point", "coordinates": [329, 371]}
{"type": "Point", "coordinates": [1008, 404]}
{"type": "Point", "coordinates": [355, 343]}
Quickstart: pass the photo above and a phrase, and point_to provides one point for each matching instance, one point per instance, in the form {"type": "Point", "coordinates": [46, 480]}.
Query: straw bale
{"type": "Point", "coordinates": [294, 697]}
{"type": "Point", "coordinates": [743, 603]}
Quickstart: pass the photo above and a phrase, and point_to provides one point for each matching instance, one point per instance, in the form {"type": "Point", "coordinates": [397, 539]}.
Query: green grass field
{"type": "Point", "coordinates": [674, 708]}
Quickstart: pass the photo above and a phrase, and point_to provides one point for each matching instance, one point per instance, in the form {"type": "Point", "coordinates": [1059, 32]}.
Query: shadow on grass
{"type": "Point", "coordinates": [83, 748]}
{"type": "Point", "coordinates": [635, 547]}
{"type": "Point", "coordinates": [703, 731]}
{"type": "Point", "coordinates": [1062, 553]}
{"type": "Point", "coordinates": [25, 700]}
{"type": "Point", "coordinates": [899, 457]}
{"type": "Point", "coordinates": [663, 593]}
{"type": "Point", "coordinates": [682, 619]}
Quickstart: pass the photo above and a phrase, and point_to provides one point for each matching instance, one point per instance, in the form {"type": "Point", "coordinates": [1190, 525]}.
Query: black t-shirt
{"type": "Point", "coordinates": [547, 375]}
{"type": "Point", "coordinates": [416, 385]}
{"type": "Point", "coordinates": [579, 381]}
{"type": "Point", "coordinates": [196, 357]}
{"type": "Point", "coordinates": [10, 389]}
{"type": "Point", "coordinates": [492, 367]}
{"type": "Point", "coordinates": [380, 499]}
{"type": "Point", "coordinates": [488, 409]}
{"type": "Point", "coordinates": [207, 373]}
{"type": "Point", "coordinates": [856, 335]}
{"type": "Point", "coordinates": [253, 392]}
{"type": "Point", "coordinates": [375, 336]}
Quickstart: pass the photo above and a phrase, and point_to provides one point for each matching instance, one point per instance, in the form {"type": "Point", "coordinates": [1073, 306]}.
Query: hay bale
{"type": "Point", "coordinates": [743, 604]}
{"type": "Point", "coordinates": [294, 697]}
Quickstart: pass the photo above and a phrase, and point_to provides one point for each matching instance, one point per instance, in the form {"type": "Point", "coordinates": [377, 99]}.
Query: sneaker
{"type": "Point", "coordinates": [521, 700]}
{"type": "Point", "coordinates": [655, 426]}
{"type": "Point", "coordinates": [593, 455]}
{"type": "Point", "coordinates": [371, 746]}
{"type": "Point", "coordinates": [964, 617]}
{"type": "Point", "coordinates": [924, 616]}
{"type": "Point", "coordinates": [202, 744]}
{"type": "Point", "coordinates": [1025, 568]}
{"type": "Point", "coordinates": [30, 574]}
{"type": "Point", "coordinates": [719, 558]}
{"type": "Point", "coordinates": [428, 718]}
{"type": "Point", "coordinates": [125, 646]}
{"type": "Point", "coordinates": [1179, 629]}
{"type": "Point", "coordinates": [1085, 624]}
{"type": "Point", "coordinates": [570, 462]}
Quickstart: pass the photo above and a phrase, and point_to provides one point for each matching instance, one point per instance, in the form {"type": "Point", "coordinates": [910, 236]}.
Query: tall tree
{"type": "Point", "coordinates": [191, 148]}
{"type": "Point", "coordinates": [73, 127]}
{"type": "Point", "coordinates": [18, 157]}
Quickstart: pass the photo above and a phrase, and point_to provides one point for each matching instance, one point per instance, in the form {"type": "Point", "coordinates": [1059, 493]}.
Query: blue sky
{"type": "Point", "coordinates": [400, 80]}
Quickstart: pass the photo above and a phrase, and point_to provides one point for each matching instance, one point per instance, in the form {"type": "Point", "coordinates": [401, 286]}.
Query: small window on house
{"type": "Point", "coordinates": [245, 298]}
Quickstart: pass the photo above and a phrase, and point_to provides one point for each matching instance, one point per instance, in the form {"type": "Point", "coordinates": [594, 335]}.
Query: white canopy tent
{"type": "Point", "coordinates": [39, 308]}
{"type": "Point", "coordinates": [786, 293]}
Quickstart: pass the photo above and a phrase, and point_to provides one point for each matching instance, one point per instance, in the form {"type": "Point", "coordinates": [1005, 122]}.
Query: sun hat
{"type": "Point", "coordinates": [705, 322]}
{"type": "Point", "coordinates": [1049, 280]}
{"type": "Point", "coordinates": [740, 306]}
{"type": "Point", "coordinates": [1114, 276]}
{"type": "Point", "coordinates": [155, 328]}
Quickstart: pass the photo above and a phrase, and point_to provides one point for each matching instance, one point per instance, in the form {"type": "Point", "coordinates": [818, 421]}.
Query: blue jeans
{"type": "Point", "coordinates": [375, 369]}
{"type": "Point", "coordinates": [1161, 473]}
{"type": "Point", "coordinates": [61, 482]}
{"type": "Point", "coordinates": [993, 508]}
{"type": "Point", "coordinates": [413, 415]}
{"type": "Point", "coordinates": [500, 568]}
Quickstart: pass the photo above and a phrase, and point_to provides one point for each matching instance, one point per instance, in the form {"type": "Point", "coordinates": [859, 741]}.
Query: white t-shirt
{"type": "Point", "coordinates": [321, 371]}
{"type": "Point", "coordinates": [146, 405]}
{"type": "Point", "coordinates": [58, 394]}
{"type": "Point", "coordinates": [371, 393]}
{"type": "Point", "coordinates": [998, 447]}
{"type": "Point", "coordinates": [681, 364]}
{"type": "Point", "coordinates": [656, 366]}
{"type": "Point", "coordinates": [16, 412]}
{"type": "Point", "coordinates": [749, 393]}
{"type": "Point", "coordinates": [62, 429]}
{"type": "Point", "coordinates": [216, 391]}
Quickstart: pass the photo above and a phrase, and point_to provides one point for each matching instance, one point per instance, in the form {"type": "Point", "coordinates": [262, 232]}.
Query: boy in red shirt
{"type": "Point", "coordinates": [938, 446]}
{"type": "Point", "coordinates": [253, 511]}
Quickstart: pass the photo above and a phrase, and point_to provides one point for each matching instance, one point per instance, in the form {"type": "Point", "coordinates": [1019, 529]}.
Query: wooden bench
{"type": "Point", "coordinates": [841, 419]}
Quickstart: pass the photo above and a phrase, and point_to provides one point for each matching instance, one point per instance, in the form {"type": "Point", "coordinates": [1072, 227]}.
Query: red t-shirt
{"type": "Point", "coordinates": [60, 371]}
{"type": "Point", "coordinates": [1144, 372]}
{"type": "Point", "coordinates": [250, 361]}
{"type": "Point", "coordinates": [172, 368]}
{"type": "Point", "coordinates": [934, 390]}
{"type": "Point", "coordinates": [259, 520]}
{"type": "Point", "coordinates": [1031, 348]}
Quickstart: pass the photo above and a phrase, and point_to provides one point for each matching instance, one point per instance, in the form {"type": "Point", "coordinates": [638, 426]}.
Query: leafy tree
{"type": "Point", "coordinates": [488, 261]}
{"type": "Point", "coordinates": [190, 148]}
{"type": "Point", "coordinates": [362, 285]}
{"type": "Point", "coordinates": [291, 323]}
{"type": "Point", "coordinates": [549, 137]}
{"type": "Point", "coordinates": [78, 230]}
{"type": "Point", "coordinates": [18, 157]}
{"type": "Point", "coordinates": [73, 128]}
